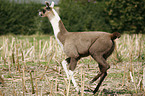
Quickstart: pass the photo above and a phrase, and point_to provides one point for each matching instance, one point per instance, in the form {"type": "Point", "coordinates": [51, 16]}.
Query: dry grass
{"type": "Point", "coordinates": [31, 66]}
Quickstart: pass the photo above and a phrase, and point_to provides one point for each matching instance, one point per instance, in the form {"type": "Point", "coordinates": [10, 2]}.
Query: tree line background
{"type": "Point", "coordinates": [124, 16]}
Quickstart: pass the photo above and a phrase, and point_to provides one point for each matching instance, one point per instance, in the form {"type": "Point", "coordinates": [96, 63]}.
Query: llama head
{"type": "Point", "coordinates": [47, 11]}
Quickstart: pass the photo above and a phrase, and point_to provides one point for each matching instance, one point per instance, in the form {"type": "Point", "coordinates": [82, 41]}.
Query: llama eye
{"type": "Point", "coordinates": [44, 11]}
{"type": "Point", "coordinates": [48, 8]}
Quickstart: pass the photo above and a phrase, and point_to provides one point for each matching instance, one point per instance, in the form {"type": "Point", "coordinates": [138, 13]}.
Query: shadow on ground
{"type": "Point", "coordinates": [123, 92]}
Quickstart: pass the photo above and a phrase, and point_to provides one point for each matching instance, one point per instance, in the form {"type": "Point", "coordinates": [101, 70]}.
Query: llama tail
{"type": "Point", "coordinates": [115, 35]}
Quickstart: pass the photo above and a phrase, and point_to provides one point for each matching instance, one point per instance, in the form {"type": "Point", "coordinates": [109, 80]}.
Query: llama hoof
{"type": "Point", "coordinates": [94, 93]}
{"type": "Point", "coordinates": [64, 62]}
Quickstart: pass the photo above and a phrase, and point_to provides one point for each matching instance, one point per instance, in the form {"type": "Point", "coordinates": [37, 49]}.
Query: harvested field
{"type": "Point", "coordinates": [31, 66]}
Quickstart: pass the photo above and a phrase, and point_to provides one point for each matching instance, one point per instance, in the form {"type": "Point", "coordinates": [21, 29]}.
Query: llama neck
{"type": "Point", "coordinates": [58, 26]}
{"type": "Point", "coordinates": [55, 23]}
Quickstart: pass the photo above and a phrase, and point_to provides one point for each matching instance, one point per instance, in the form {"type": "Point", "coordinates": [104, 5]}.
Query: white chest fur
{"type": "Point", "coordinates": [55, 24]}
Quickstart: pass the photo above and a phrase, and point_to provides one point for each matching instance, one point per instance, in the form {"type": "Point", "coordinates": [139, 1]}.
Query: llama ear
{"type": "Point", "coordinates": [47, 4]}
{"type": "Point", "coordinates": [52, 4]}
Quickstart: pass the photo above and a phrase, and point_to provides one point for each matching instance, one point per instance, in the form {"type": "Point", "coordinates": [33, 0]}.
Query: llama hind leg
{"type": "Point", "coordinates": [100, 82]}
{"type": "Point", "coordinates": [104, 66]}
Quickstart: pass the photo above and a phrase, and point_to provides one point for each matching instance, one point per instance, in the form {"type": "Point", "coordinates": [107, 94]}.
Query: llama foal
{"type": "Point", "coordinates": [76, 45]}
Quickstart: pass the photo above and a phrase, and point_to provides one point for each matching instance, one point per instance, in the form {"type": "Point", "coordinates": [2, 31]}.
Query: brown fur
{"type": "Point", "coordinates": [62, 34]}
{"type": "Point", "coordinates": [99, 45]}
{"type": "Point", "coordinates": [76, 45]}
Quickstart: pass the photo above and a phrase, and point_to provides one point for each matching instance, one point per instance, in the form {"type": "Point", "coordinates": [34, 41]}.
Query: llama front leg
{"type": "Point", "coordinates": [64, 64]}
{"type": "Point", "coordinates": [72, 66]}
{"type": "Point", "coordinates": [73, 81]}
{"type": "Point", "coordinates": [69, 73]}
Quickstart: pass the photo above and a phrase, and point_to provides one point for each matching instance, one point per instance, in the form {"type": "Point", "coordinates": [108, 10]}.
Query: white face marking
{"type": "Point", "coordinates": [55, 24]}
